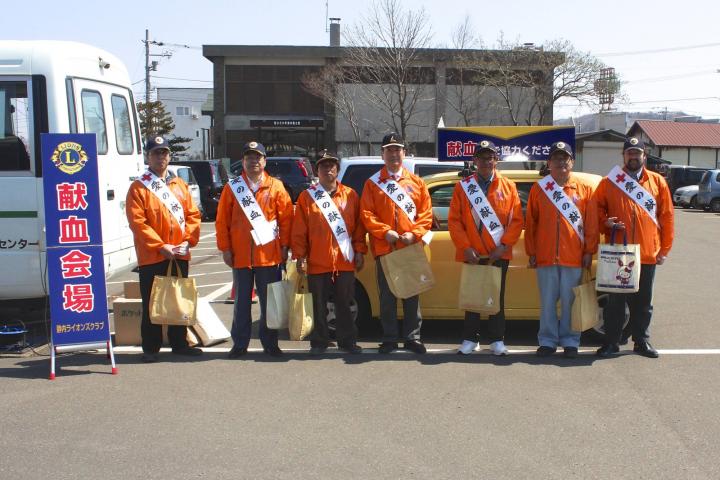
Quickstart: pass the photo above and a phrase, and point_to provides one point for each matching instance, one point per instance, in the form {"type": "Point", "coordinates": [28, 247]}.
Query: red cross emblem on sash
{"type": "Point", "coordinates": [146, 177]}
{"type": "Point", "coordinates": [620, 178]}
{"type": "Point", "coordinates": [550, 186]}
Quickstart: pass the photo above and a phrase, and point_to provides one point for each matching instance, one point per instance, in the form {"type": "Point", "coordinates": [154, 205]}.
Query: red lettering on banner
{"type": "Point", "coordinates": [71, 196]}
{"type": "Point", "coordinates": [75, 264]}
{"type": "Point", "coordinates": [73, 230]}
{"type": "Point", "coordinates": [78, 298]}
{"type": "Point", "coordinates": [469, 148]}
{"type": "Point", "coordinates": [454, 149]}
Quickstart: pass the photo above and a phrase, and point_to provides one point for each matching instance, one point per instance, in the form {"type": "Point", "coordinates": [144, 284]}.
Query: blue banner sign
{"type": "Point", "coordinates": [516, 143]}
{"type": "Point", "coordinates": [75, 263]}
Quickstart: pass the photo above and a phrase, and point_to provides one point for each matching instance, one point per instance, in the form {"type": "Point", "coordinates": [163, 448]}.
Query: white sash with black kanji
{"type": "Point", "coordinates": [632, 188]}
{"type": "Point", "coordinates": [402, 199]}
{"type": "Point", "coordinates": [263, 231]}
{"type": "Point", "coordinates": [483, 209]}
{"type": "Point", "coordinates": [334, 219]}
{"type": "Point", "coordinates": [159, 188]}
{"type": "Point", "coordinates": [565, 206]}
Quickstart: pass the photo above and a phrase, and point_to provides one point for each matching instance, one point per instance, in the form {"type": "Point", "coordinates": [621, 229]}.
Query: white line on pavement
{"type": "Point", "coordinates": [207, 236]}
{"type": "Point", "coordinates": [220, 291]}
{"type": "Point", "coordinates": [215, 285]}
{"type": "Point", "coordinates": [195, 249]}
{"type": "Point", "coordinates": [209, 273]}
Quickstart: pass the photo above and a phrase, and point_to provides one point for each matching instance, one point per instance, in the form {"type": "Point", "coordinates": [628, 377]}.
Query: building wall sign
{"type": "Point", "coordinates": [287, 123]}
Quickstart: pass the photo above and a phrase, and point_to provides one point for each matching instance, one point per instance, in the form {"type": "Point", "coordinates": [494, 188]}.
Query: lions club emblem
{"type": "Point", "coordinates": [561, 145]}
{"type": "Point", "coordinates": [69, 157]}
{"type": "Point", "coordinates": [633, 141]}
{"type": "Point", "coordinates": [252, 145]}
{"type": "Point", "coordinates": [484, 144]}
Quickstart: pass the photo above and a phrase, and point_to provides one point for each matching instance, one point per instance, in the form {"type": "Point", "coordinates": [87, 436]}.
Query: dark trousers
{"type": "Point", "coordinates": [242, 316]}
{"type": "Point", "coordinates": [640, 306]}
{"type": "Point", "coordinates": [496, 323]}
{"type": "Point", "coordinates": [152, 334]}
{"type": "Point", "coordinates": [412, 319]}
{"type": "Point", "coordinates": [342, 288]}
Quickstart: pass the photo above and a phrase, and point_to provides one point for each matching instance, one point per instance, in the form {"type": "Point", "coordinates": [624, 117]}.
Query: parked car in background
{"type": "Point", "coordinates": [211, 177]}
{"type": "Point", "coordinates": [354, 171]}
{"type": "Point", "coordinates": [686, 196]}
{"type": "Point", "coordinates": [296, 173]}
{"type": "Point", "coordinates": [683, 175]}
{"type": "Point", "coordinates": [709, 191]}
{"type": "Point", "coordinates": [188, 177]}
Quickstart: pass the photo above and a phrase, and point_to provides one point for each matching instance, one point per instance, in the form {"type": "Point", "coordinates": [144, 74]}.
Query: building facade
{"type": "Point", "coordinates": [188, 108]}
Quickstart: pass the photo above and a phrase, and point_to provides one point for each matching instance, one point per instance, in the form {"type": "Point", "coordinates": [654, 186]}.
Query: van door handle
{"type": "Point", "coordinates": [111, 194]}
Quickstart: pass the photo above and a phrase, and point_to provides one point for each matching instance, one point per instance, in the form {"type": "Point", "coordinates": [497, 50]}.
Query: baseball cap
{"type": "Point", "coordinates": [154, 143]}
{"type": "Point", "coordinates": [254, 147]}
{"type": "Point", "coordinates": [393, 139]}
{"type": "Point", "coordinates": [327, 157]}
{"type": "Point", "coordinates": [633, 143]}
{"type": "Point", "coordinates": [485, 146]}
{"type": "Point", "coordinates": [560, 147]}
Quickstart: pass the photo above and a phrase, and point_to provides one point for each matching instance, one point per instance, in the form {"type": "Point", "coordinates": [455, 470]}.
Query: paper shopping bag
{"type": "Point", "coordinates": [279, 296]}
{"type": "Point", "coordinates": [618, 266]}
{"type": "Point", "coordinates": [480, 288]}
{"type": "Point", "coordinates": [585, 312]}
{"type": "Point", "coordinates": [173, 300]}
{"type": "Point", "coordinates": [209, 327]}
{"type": "Point", "coordinates": [408, 271]}
{"type": "Point", "coordinates": [301, 311]}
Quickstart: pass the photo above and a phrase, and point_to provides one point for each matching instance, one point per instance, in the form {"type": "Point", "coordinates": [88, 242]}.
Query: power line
{"type": "Point", "coordinates": [658, 50]}
{"type": "Point", "coordinates": [184, 79]}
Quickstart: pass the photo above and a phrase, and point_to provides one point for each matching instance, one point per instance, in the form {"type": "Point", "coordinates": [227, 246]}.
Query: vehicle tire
{"type": "Point", "coordinates": [693, 202]}
{"type": "Point", "coordinates": [715, 205]}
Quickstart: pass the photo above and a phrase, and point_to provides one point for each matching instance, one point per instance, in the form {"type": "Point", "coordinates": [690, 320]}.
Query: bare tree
{"type": "Point", "coordinates": [467, 94]}
{"type": "Point", "coordinates": [382, 60]}
{"type": "Point", "coordinates": [329, 84]}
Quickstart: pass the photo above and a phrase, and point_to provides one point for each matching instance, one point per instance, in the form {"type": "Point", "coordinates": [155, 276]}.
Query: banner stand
{"type": "Point", "coordinates": [82, 347]}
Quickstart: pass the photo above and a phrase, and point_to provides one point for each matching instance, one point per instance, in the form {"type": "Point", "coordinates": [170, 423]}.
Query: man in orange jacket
{"type": "Point", "coordinates": [396, 211]}
{"type": "Point", "coordinates": [648, 222]}
{"type": "Point", "coordinates": [561, 235]}
{"type": "Point", "coordinates": [328, 241]}
{"type": "Point", "coordinates": [484, 231]}
{"type": "Point", "coordinates": [165, 223]}
{"type": "Point", "coordinates": [252, 226]}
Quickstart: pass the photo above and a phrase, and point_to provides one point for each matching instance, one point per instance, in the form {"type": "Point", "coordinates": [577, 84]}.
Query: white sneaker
{"type": "Point", "coordinates": [498, 348]}
{"type": "Point", "coordinates": [468, 347]}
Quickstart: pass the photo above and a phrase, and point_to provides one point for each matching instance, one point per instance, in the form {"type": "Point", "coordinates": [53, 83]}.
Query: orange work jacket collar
{"type": "Point", "coordinates": [385, 174]}
{"type": "Point", "coordinates": [265, 181]}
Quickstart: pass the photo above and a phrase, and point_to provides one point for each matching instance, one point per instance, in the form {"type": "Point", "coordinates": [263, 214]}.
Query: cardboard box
{"type": "Point", "coordinates": [127, 314]}
{"type": "Point", "coordinates": [132, 289]}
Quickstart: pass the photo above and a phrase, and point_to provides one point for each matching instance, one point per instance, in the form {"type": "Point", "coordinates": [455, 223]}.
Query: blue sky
{"type": "Point", "coordinates": [676, 78]}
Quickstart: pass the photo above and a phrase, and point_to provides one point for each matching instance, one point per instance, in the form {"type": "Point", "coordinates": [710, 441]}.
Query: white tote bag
{"type": "Point", "coordinates": [618, 266]}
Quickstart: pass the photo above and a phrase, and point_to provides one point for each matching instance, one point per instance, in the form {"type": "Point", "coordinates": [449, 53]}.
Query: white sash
{"type": "Point", "coordinates": [483, 209]}
{"type": "Point", "coordinates": [565, 206]}
{"type": "Point", "coordinates": [158, 188]}
{"type": "Point", "coordinates": [632, 188]}
{"type": "Point", "coordinates": [334, 219]}
{"type": "Point", "coordinates": [402, 199]}
{"type": "Point", "coordinates": [263, 231]}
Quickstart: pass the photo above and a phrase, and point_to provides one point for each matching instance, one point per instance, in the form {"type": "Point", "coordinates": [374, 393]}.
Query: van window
{"type": "Point", "coordinates": [94, 118]}
{"type": "Point", "coordinates": [440, 198]}
{"type": "Point", "coordinates": [121, 120]}
{"type": "Point", "coordinates": [694, 176]}
{"type": "Point", "coordinates": [15, 122]}
{"type": "Point", "coordinates": [423, 170]}
{"type": "Point", "coordinates": [356, 175]}
{"type": "Point", "coordinates": [706, 178]}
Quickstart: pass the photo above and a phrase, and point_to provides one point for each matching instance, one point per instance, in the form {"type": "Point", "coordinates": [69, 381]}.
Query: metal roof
{"type": "Point", "coordinates": [664, 133]}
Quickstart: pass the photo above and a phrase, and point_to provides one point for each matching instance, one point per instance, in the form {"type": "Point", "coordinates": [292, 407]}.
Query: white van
{"type": "Point", "coordinates": [61, 87]}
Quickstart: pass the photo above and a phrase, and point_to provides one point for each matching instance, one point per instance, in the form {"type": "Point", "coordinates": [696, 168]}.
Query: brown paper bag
{"type": "Point", "coordinates": [300, 322]}
{"type": "Point", "coordinates": [408, 271]}
{"type": "Point", "coordinates": [173, 300]}
{"type": "Point", "coordinates": [585, 311]}
{"type": "Point", "coordinates": [480, 288]}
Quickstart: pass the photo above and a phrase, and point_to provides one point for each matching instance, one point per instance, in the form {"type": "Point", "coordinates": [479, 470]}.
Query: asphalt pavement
{"type": "Point", "coordinates": [371, 416]}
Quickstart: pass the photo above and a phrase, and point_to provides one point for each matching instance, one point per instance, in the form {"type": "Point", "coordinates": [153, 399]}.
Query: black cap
{"type": "Point", "coordinates": [156, 142]}
{"type": "Point", "coordinates": [327, 157]}
{"type": "Point", "coordinates": [392, 139]}
{"type": "Point", "coordinates": [485, 146]}
{"type": "Point", "coordinates": [633, 143]}
{"type": "Point", "coordinates": [254, 147]}
{"type": "Point", "coordinates": [560, 147]}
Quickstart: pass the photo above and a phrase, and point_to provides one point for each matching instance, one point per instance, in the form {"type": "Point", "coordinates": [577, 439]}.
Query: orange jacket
{"type": "Point", "coordinates": [549, 236]}
{"type": "Point", "coordinates": [152, 224]}
{"type": "Point", "coordinates": [380, 214]}
{"type": "Point", "coordinates": [232, 227]}
{"type": "Point", "coordinates": [502, 195]}
{"type": "Point", "coordinates": [313, 239]}
{"type": "Point", "coordinates": [612, 202]}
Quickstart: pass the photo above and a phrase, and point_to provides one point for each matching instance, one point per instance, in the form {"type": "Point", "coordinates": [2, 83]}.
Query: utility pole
{"type": "Point", "coordinates": [147, 65]}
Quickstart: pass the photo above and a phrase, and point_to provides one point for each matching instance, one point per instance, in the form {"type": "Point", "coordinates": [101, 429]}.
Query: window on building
{"type": "Point", "coordinates": [94, 118]}
{"type": "Point", "coordinates": [182, 111]}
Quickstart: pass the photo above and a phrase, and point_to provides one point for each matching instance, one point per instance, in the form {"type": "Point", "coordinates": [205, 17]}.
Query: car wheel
{"type": "Point", "coordinates": [715, 205]}
{"type": "Point", "coordinates": [693, 202]}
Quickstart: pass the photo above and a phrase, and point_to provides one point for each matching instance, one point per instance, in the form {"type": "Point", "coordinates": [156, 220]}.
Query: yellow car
{"type": "Point", "coordinates": [522, 300]}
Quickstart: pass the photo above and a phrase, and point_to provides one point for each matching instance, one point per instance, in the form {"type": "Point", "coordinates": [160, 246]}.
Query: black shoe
{"type": "Point", "coordinates": [352, 348]}
{"type": "Point", "coordinates": [645, 349]}
{"type": "Point", "coordinates": [415, 346]}
{"type": "Point", "coordinates": [387, 347]}
{"type": "Point", "coordinates": [149, 358]}
{"type": "Point", "coordinates": [237, 352]}
{"type": "Point", "coordinates": [187, 351]}
{"type": "Point", "coordinates": [607, 350]}
{"type": "Point", "coordinates": [273, 351]}
{"type": "Point", "coordinates": [545, 351]}
{"type": "Point", "coordinates": [317, 350]}
{"type": "Point", "coordinates": [570, 352]}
